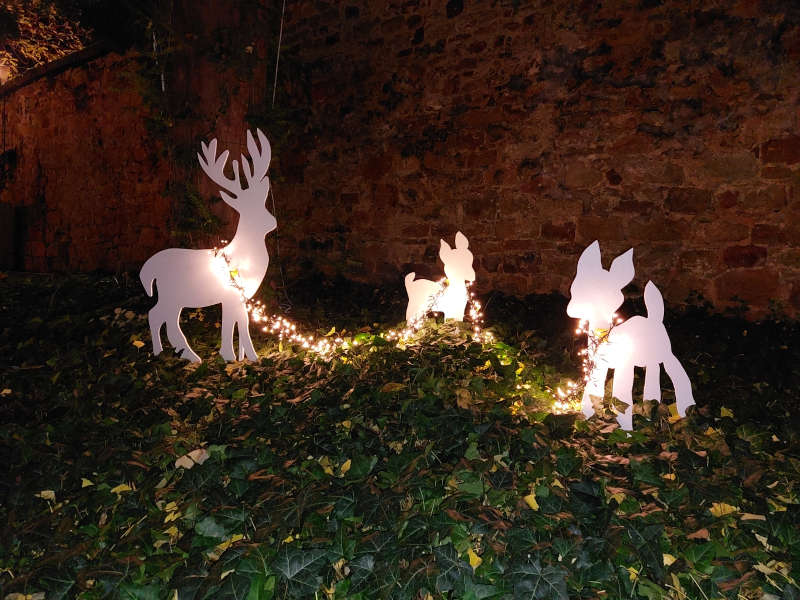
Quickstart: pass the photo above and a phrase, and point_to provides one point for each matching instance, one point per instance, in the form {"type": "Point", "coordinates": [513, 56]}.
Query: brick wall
{"type": "Point", "coordinates": [533, 127]}
{"type": "Point", "coordinates": [537, 127]}
{"type": "Point", "coordinates": [87, 185]}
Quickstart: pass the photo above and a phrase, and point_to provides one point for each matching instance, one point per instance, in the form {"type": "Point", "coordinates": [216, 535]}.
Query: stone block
{"type": "Point", "coordinates": [593, 227]}
{"type": "Point", "coordinates": [765, 233]}
{"type": "Point", "coordinates": [688, 200]}
{"type": "Point", "coordinates": [755, 286]}
{"type": "Point", "coordinates": [782, 150]}
{"type": "Point", "coordinates": [744, 256]}
{"type": "Point", "coordinates": [558, 231]}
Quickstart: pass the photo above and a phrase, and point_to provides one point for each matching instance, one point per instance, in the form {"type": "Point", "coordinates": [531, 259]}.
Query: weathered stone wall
{"type": "Point", "coordinates": [533, 127]}
{"type": "Point", "coordinates": [87, 181]}
{"type": "Point", "coordinates": [537, 127]}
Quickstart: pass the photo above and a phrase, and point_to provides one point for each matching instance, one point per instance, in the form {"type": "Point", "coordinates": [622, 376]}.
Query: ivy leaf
{"type": "Point", "coordinates": [301, 569]}
{"type": "Point", "coordinates": [532, 582]}
{"type": "Point", "coordinates": [210, 527]}
{"type": "Point", "coordinates": [452, 570]}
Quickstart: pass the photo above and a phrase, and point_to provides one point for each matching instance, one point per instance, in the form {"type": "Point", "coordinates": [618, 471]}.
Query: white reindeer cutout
{"type": "Point", "coordinates": [425, 295]}
{"type": "Point", "coordinates": [638, 342]}
{"type": "Point", "coordinates": [194, 278]}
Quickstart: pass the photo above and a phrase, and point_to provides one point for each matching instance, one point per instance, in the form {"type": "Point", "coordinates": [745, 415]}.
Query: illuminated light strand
{"type": "Point", "coordinates": [325, 346]}
{"type": "Point", "coordinates": [475, 313]}
{"type": "Point", "coordinates": [569, 400]}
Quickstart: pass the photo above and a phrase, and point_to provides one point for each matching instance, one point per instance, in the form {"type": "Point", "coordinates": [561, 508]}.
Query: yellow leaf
{"type": "Point", "coordinates": [633, 574]}
{"type": "Point", "coordinates": [530, 500]}
{"type": "Point", "coordinates": [122, 487]}
{"type": "Point", "coordinates": [720, 509]}
{"type": "Point", "coordinates": [670, 476]}
{"type": "Point", "coordinates": [619, 497]}
{"type": "Point", "coordinates": [46, 495]}
{"type": "Point", "coordinates": [346, 424]}
{"type": "Point", "coordinates": [138, 343]}
{"type": "Point", "coordinates": [558, 484]}
{"type": "Point", "coordinates": [764, 542]}
{"type": "Point", "coordinates": [171, 506]}
{"type": "Point", "coordinates": [220, 549]}
{"type": "Point", "coordinates": [86, 482]}
{"type": "Point", "coordinates": [325, 463]}
{"type": "Point", "coordinates": [474, 560]}
{"type": "Point", "coordinates": [765, 569]}
{"type": "Point", "coordinates": [345, 467]}
{"type": "Point", "coordinates": [725, 412]}
{"type": "Point", "coordinates": [172, 516]}
{"type": "Point", "coordinates": [5, 392]}
{"type": "Point", "coordinates": [393, 387]}
{"type": "Point", "coordinates": [752, 517]}
{"type": "Point", "coordinates": [172, 531]}
{"type": "Point", "coordinates": [289, 539]}
{"type": "Point", "coordinates": [669, 559]}
{"type": "Point", "coordinates": [225, 574]}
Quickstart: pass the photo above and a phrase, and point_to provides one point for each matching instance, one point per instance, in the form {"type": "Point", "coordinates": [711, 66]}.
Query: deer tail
{"type": "Point", "coordinates": [147, 276]}
{"type": "Point", "coordinates": [410, 279]}
{"type": "Point", "coordinates": [653, 302]}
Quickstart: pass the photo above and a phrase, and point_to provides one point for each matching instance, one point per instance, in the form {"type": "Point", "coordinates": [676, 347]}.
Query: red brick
{"type": "Point", "coordinates": [688, 200]}
{"type": "Point", "coordinates": [764, 233]}
{"type": "Point", "coordinates": [558, 231]}
{"type": "Point", "coordinates": [744, 256]}
{"type": "Point", "coordinates": [784, 150]}
{"type": "Point", "coordinates": [755, 286]}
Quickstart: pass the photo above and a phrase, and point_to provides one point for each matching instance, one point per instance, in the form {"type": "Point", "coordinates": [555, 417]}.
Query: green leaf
{"type": "Point", "coordinates": [58, 586]}
{"type": "Point", "coordinates": [452, 570]}
{"type": "Point", "coordinates": [300, 568]}
{"type": "Point", "coordinates": [210, 527]}
{"type": "Point", "coordinates": [532, 582]}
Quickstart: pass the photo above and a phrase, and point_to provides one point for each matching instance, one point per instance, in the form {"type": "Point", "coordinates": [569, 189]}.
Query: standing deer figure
{"type": "Point", "coordinates": [596, 294]}
{"type": "Point", "coordinates": [425, 295]}
{"type": "Point", "coordinates": [194, 278]}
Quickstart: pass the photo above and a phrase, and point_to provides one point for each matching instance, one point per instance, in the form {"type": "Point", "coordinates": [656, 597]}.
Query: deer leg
{"type": "Point", "coordinates": [156, 321]}
{"type": "Point", "coordinates": [622, 389]}
{"type": "Point", "coordinates": [246, 349]}
{"type": "Point", "coordinates": [652, 382]}
{"type": "Point", "coordinates": [595, 386]}
{"type": "Point", "coordinates": [178, 340]}
{"type": "Point", "coordinates": [228, 322]}
{"type": "Point", "coordinates": [680, 381]}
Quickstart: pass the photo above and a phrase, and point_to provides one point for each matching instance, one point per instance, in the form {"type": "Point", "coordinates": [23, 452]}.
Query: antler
{"type": "Point", "coordinates": [255, 175]}
{"type": "Point", "coordinates": [214, 167]}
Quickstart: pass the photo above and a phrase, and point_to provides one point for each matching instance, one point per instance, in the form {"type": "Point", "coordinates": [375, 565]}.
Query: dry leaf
{"type": "Point", "coordinates": [720, 509]}
{"type": "Point", "coordinates": [700, 534]}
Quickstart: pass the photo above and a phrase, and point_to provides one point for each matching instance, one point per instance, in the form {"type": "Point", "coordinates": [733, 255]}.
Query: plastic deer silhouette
{"type": "Point", "coordinates": [194, 278]}
{"type": "Point", "coordinates": [425, 295]}
{"type": "Point", "coordinates": [596, 294]}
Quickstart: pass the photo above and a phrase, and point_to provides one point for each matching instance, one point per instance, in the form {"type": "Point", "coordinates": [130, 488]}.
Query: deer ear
{"type": "Point", "coordinates": [590, 258]}
{"type": "Point", "coordinates": [622, 269]}
{"type": "Point", "coordinates": [462, 243]}
{"type": "Point", "coordinates": [444, 250]}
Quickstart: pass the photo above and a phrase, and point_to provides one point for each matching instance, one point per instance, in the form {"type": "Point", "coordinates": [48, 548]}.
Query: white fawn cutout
{"type": "Point", "coordinates": [425, 295]}
{"type": "Point", "coordinates": [194, 278]}
{"type": "Point", "coordinates": [595, 295]}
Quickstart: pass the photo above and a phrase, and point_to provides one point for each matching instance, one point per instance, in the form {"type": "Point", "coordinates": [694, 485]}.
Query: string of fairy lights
{"type": "Point", "coordinates": [288, 331]}
{"type": "Point", "coordinates": [570, 397]}
{"type": "Point", "coordinates": [566, 398]}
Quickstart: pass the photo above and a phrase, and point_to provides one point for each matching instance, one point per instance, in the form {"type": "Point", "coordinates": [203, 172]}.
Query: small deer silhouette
{"type": "Point", "coordinates": [194, 278]}
{"type": "Point", "coordinates": [425, 295]}
{"type": "Point", "coordinates": [595, 295]}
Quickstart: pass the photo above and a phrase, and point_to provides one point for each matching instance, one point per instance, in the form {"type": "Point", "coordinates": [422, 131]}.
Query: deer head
{"type": "Point", "coordinates": [457, 261]}
{"type": "Point", "coordinates": [250, 201]}
{"type": "Point", "coordinates": [595, 294]}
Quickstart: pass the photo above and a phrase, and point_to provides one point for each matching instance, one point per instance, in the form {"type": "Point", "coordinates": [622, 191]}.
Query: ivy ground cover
{"type": "Point", "coordinates": [433, 470]}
